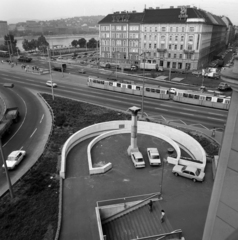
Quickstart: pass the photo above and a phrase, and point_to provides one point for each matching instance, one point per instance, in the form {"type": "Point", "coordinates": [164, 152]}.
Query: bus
{"type": "Point", "coordinates": [4, 53]}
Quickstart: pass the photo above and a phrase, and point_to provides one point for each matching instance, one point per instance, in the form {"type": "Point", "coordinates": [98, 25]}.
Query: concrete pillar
{"type": "Point", "coordinates": [222, 216]}
{"type": "Point", "coordinates": [133, 146]}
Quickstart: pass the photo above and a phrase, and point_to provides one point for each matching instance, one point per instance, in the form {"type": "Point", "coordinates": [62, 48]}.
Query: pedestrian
{"type": "Point", "coordinates": [150, 205]}
{"type": "Point", "coordinates": [162, 216]}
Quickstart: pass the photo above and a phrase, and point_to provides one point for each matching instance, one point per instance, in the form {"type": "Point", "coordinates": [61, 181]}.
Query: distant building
{"type": "Point", "coordinates": [3, 28]}
{"type": "Point", "coordinates": [33, 26]}
{"type": "Point", "coordinates": [12, 27]}
{"type": "Point", "coordinates": [181, 38]}
{"type": "Point", "coordinates": [230, 30]}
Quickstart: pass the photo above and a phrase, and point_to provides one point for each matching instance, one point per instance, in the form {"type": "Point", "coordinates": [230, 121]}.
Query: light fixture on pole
{"type": "Point", "coordinates": [52, 89]}
{"type": "Point", "coordinates": [143, 90]}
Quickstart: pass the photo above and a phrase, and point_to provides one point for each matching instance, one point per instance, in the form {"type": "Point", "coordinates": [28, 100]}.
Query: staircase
{"type": "Point", "coordinates": [137, 224]}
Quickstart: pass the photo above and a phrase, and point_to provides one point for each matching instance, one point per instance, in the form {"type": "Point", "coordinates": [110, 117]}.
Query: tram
{"type": "Point", "coordinates": [129, 88]}
{"type": "Point", "coordinates": [207, 99]}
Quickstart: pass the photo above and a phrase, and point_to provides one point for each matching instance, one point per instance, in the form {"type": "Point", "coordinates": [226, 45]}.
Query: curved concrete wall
{"type": "Point", "coordinates": [143, 127]}
{"type": "Point", "coordinates": [108, 166]}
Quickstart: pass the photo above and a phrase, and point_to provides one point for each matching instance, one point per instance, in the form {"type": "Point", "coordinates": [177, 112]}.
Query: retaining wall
{"type": "Point", "coordinates": [153, 129]}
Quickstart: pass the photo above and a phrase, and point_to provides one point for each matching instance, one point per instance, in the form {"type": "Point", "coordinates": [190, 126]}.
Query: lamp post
{"type": "Point", "coordinates": [6, 170]}
{"type": "Point", "coordinates": [143, 90]}
{"type": "Point", "coordinates": [52, 89]}
{"type": "Point", "coordinates": [162, 177]}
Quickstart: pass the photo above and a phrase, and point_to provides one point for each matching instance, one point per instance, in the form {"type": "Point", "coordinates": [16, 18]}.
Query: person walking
{"type": "Point", "coordinates": [150, 205]}
{"type": "Point", "coordinates": [162, 216]}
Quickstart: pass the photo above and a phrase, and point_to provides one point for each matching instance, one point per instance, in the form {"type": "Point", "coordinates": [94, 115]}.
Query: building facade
{"type": "Point", "coordinates": [3, 29]}
{"type": "Point", "coordinates": [181, 38]}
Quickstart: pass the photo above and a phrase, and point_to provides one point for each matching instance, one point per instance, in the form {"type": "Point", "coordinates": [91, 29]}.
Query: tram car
{"type": "Point", "coordinates": [129, 88]}
{"type": "Point", "coordinates": [207, 99]}
{"type": "Point", "coordinates": [200, 98]}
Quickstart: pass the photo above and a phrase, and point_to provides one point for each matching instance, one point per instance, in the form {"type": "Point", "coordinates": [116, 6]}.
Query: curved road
{"type": "Point", "coordinates": [28, 133]}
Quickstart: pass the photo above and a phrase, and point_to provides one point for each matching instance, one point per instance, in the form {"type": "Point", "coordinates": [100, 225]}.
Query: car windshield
{"type": "Point", "coordinates": [139, 159]}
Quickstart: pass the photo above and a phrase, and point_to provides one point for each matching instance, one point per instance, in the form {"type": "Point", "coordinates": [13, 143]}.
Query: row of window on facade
{"type": "Point", "coordinates": [147, 37]}
{"type": "Point", "coordinates": [145, 28]}
{"type": "Point", "coordinates": [146, 45]}
{"type": "Point", "coordinates": [149, 55]}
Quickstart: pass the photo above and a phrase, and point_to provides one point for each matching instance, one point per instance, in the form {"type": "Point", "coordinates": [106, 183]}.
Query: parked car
{"type": "Point", "coordinates": [197, 72]}
{"type": "Point", "coordinates": [189, 172]}
{"type": "Point", "coordinates": [82, 71]}
{"type": "Point", "coordinates": [137, 159]}
{"type": "Point", "coordinates": [224, 86]}
{"type": "Point", "coordinates": [153, 156]}
{"type": "Point", "coordinates": [51, 84]}
{"type": "Point", "coordinates": [14, 158]}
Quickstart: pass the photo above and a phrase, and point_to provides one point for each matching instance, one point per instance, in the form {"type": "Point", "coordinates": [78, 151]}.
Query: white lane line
{"type": "Point", "coordinates": [7, 78]}
{"type": "Point", "coordinates": [218, 114]}
{"type": "Point", "coordinates": [42, 118]}
{"type": "Point", "coordinates": [33, 133]}
{"type": "Point", "coordinates": [221, 120]}
{"type": "Point", "coordinates": [161, 109]}
{"type": "Point", "coordinates": [190, 114]}
{"type": "Point", "coordinates": [192, 110]}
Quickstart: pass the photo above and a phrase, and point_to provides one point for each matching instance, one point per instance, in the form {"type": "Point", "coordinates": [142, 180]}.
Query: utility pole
{"type": "Point", "coordinates": [6, 170]}
{"type": "Point", "coordinates": [52, 89]}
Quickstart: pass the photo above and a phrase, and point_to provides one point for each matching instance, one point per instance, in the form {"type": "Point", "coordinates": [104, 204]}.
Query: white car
{"type": "Point", "coordinates": [51, 84]}
{"type": "Point", "coordinates": [189, 172]}
{"type": "Point", "coordinates": [137, 159]}
{"type": "Point", "coordinates": [14, 158]}
{"type": "Point", "coordinates": [153, 156]}
{"type": "Point", "coordinates": [172, 90]}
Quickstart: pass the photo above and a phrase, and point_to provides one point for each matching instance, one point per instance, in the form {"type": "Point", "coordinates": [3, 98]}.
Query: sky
{"type": "Point", "coordinates": [14, 11]}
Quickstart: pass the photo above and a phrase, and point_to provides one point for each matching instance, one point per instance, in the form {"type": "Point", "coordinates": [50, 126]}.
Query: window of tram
{"type": "Point", "coordinates": [137, 88]}
{"type": "Point", "coordinates": [147, 89]}
{"type": "Point", "coordinates": [196, 96]}
{"type": "Point", "coordinates": [227, 101]}
{"type": "Point", "coordinates": [152, 90]}
{"type": "Point", "coordinates": [118, 85]}
{"type": "Point", "coordinates": [110, 83]}
{"type": "Point", "coordinates": [202, 97]}
{"type": "Point", "coordinates": [157, 90]}
{"type": "Point", "coordinates": [94, 81]}
{"type": "Point", "coordinates": [102, 82]}
{"type": "Point", "coordinates": [220, 100]}
{"type": "Point", "coordinates": [185, 95]}
{"type": "Point", "coordinates": [129, 86]}
{"type": "Point", "coordinates": [190, 95]}
{"type": "Point", "coordinates": [208, 99]}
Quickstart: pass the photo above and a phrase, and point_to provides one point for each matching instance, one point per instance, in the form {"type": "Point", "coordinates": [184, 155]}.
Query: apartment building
{"type": "Point", "coordinates": [181, 38]}
{"type": "Point", "coordinates": [3, 29]}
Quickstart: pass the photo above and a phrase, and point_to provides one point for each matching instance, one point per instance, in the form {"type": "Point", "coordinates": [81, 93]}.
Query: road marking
{"type": "Point", "coordinates": [7, 78]}
{"type": "Point", "coordinates": [33, 133]}
{"type": "Point", "coordinates": [161, 109]}
{"type": "Point", "coordinates": [192, 110]}
{"type": "Point", "coordinates": [216, 114]}
{"type": "Point", "coordinates": [216, 119]}
{"type": "Point", "coordinates": [190, 114]}
{"type": "Point", "coordinates": [42, 118]}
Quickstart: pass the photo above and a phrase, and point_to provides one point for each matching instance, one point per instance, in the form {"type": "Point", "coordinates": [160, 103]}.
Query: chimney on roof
{"type": "Point", "coordinates": [171, 6]}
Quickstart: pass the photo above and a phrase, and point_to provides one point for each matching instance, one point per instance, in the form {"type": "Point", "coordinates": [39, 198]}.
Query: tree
{"type": "Point", "coordinates": [92, 43]}
{"type": "Point", "coordinates": [82, 42]}
{"type": "Point", "coordinates": [42, 44]}
{"type": "Point", "coordinates": [11, 43]}
{"type": "Point", "coordinates": [26, 45]}
{"type": "Point", "coordinates": [74, 43]}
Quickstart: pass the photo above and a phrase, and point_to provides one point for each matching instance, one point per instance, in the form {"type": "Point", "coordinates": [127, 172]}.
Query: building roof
{"type": "Point", "coordinates": [132, 17]}
{"type": "Point", "coordinates": [165, 15]}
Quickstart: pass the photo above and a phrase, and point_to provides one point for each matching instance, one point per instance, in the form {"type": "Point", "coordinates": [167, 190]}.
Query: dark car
{"type": "Point", "coordinates": [24, 59]}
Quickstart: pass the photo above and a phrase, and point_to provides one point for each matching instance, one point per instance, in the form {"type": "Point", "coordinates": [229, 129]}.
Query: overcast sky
{"type": "Point", "coordinates": [21, 10]}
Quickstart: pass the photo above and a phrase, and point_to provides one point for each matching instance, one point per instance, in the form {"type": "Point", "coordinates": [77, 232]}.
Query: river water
{"type": "Point", "coordinates": [56, 40]}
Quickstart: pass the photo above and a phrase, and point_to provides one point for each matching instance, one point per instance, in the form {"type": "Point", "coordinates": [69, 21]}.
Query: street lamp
{"type": "Point", "coordinates": [143, 90]}
{"type": "Point", "coordinates": [52, 89]}
{"type": "Point", "coordinates": [162, 175]}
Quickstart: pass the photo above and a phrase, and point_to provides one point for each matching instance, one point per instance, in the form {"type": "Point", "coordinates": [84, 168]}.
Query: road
{"type": "Point", "coordinates": [75, 87]}
{"type": "Point", "coordinates": [28, 133]}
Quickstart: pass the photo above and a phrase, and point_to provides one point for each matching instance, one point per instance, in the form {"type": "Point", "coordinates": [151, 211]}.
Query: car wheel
{"type": "Point", "coordinates": [194, 180]}
{"type": "Point", "coordinates": [176, 174]}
